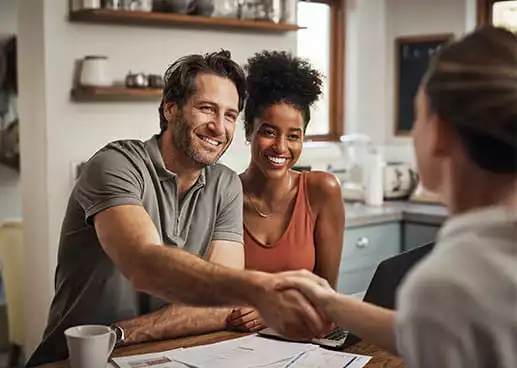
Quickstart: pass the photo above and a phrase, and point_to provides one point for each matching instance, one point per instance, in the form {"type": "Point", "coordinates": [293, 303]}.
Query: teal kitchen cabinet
{"type": "Point", "coordinates": [417, 234]}
{"type": "Point", "coordinates": [363, 248]}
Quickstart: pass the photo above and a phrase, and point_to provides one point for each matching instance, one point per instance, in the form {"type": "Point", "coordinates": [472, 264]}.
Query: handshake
{"type": "Point", "coordinates": [293, 303]}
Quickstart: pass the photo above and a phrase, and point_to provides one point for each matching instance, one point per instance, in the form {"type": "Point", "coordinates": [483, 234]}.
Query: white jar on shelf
{"type": "Point", "coordinates": [95, 72]}
{"type": "Point", "coordinates": [90, 4]}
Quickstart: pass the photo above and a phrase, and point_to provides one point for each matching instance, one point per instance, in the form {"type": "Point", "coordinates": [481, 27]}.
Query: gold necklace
{"type": "Point", "coordinates": [259, 212]}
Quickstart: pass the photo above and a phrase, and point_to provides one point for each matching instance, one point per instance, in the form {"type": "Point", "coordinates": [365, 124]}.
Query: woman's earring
{"type": "Point", "coordinates": [247, 142]}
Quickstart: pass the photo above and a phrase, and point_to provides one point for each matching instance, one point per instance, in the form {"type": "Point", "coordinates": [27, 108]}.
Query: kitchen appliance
{"type": "Point", "coordinates": [351, 167]}
{"type": "Point", "coordinates": [399, 180]}
{"type": "Point", "coordinates": [155, 81]}
{"type": "Point", "coordinates": [136, 80]}
{"type": "Point", "coordinates": [95, 72]}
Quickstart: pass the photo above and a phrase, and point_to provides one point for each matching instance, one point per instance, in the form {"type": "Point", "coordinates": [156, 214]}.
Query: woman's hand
{"type": "Point", "coordinates": [314, 288]}
{"type": "Point", "coordinates": [244, 320]}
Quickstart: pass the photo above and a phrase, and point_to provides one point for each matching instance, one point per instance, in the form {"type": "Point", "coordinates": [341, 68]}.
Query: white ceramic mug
{"type": "Point", "coordinates": [90, 346]}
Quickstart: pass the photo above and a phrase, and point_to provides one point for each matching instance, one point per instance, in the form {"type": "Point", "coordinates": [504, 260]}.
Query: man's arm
{"type": "Point", "coordinates": [178, 320]}
{"type": "Point", "coordinates": [130, 239]}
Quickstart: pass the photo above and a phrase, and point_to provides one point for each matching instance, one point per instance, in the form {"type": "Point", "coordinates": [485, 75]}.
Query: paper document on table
{"type": "Point", "coordinates": [245, 352]}
{"type": "Point", "coordinates": [321, 358]}
{"type": "Point", "coordinates": [163, 359]}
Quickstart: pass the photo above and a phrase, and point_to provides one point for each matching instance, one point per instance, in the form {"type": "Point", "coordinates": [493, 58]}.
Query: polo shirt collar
{"type": "Point", "coordinates": [153, 147]}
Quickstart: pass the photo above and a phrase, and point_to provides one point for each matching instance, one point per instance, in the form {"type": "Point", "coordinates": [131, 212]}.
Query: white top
{"type": "Point", "coordinates": [458, 307]}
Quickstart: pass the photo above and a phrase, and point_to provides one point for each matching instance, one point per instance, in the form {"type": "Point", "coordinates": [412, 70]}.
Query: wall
{"type": "Point", "coordinates": [63, 132]}
{"type": "Point", "coordinates": [10, 184]}
{"type": "Point", "coordinates": [417, 17]}
{"type": "Point", "coordinates": [372, 27]}
{"type": "Point", "coordinates": [403, 18]}
{"type": "Point", "coordinates": [365, 59]}
{"type": "Point", "coordinates": [10, 194]}
{"type": "Point", "coordinates": [8, 19]}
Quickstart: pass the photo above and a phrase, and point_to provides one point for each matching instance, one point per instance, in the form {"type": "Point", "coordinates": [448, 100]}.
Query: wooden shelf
{"type": "Point", "coordinates": [175, 20]}
{"type": "Point", "coordinates": [93, 94]}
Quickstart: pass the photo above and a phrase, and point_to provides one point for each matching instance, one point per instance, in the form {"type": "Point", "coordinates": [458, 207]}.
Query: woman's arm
{"type": "Point", "coordinates": [370, 322]}
{"type": "Point", "coordinates": [329, 211]}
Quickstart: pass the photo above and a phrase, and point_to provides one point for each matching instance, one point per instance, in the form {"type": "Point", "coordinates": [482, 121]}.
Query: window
{"type": "Point", "coordinates": [322, 43]}
{"type": "Point", "coordinates": [501, 13]}
{"type": "Point", "coordinates": [504, 14]}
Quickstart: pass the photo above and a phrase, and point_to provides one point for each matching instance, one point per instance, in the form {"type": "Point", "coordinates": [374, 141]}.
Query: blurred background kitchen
{"type": "Point", "coordinates": [75, 75]}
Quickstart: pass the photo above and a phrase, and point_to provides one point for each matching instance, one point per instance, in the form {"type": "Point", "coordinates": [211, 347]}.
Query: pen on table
{"type": "Point", "coordinates": [245, 348]}
{"type": "Point", "coordinates": [295, 359]}
{"type": "Point", "coordinates": [350, 362]}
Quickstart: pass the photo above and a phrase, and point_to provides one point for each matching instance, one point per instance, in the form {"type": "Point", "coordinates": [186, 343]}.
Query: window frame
{"type": "Point", "coordinates": [336, 78]}
{"type": "Point", "coordinates": [484, 11]}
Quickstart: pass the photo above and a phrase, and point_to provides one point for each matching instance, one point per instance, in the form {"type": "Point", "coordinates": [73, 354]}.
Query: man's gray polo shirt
{"type": "Point", "coordinates": [89, 288]}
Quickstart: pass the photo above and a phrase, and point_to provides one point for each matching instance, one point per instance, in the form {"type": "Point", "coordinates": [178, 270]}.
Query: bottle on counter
{"type": "Point", "coordinates": [374, 184]}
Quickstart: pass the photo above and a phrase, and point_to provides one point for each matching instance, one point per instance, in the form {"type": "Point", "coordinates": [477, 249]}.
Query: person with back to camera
{"type": "Point", "coordinates": [458, 307]}
{"type": "Point", "coordinates": [291, 220]}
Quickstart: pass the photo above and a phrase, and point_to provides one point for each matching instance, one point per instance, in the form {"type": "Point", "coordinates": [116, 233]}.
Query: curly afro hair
{"type": "Point", "coordinates": [278, 77]}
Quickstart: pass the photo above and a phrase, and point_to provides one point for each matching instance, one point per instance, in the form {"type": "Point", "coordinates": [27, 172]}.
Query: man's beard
{"type": "Point", "coordinates": [184, 141]}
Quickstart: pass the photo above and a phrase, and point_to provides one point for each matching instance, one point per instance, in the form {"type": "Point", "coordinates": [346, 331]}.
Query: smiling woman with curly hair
{"type": "Point", "coordinates": [291, 220]}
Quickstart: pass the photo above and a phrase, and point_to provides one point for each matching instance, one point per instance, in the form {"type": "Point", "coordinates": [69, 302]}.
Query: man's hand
{"type": "Point", "coordinates": [245, 320]}
{"type": "Point", "coordinates": [286, 310]}
{"type": "Point", "coordinates": [372, 323]}
{"type": "Point", "coordinates": [314, 288]}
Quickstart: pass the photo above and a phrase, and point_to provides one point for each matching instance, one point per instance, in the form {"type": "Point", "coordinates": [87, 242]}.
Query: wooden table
{"type": "Point", "coordinates": [381, 358]}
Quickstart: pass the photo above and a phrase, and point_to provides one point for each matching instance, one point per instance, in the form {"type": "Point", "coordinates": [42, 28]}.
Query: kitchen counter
{"type": "Point", "coordinates": [359, 214]}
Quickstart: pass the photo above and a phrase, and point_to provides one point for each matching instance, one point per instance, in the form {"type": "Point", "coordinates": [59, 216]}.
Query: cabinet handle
{"type": "Point", "coordinates": [362, 242]}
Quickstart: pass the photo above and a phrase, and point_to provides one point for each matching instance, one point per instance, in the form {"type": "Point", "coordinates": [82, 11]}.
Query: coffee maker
{"type": "Point", "coordinates": [351, 169]}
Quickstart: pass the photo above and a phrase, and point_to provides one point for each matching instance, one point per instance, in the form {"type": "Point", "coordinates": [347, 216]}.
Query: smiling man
{"type": "Point", "coordinates": [142, 214]}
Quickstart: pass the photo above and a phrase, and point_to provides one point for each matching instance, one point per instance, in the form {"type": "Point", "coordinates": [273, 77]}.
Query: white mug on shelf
{"type": "Point", "coordinates": [95, 72]}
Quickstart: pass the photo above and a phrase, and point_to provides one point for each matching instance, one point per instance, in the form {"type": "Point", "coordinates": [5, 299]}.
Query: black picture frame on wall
{"type": "Point", "coordinates": [412, 57]}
